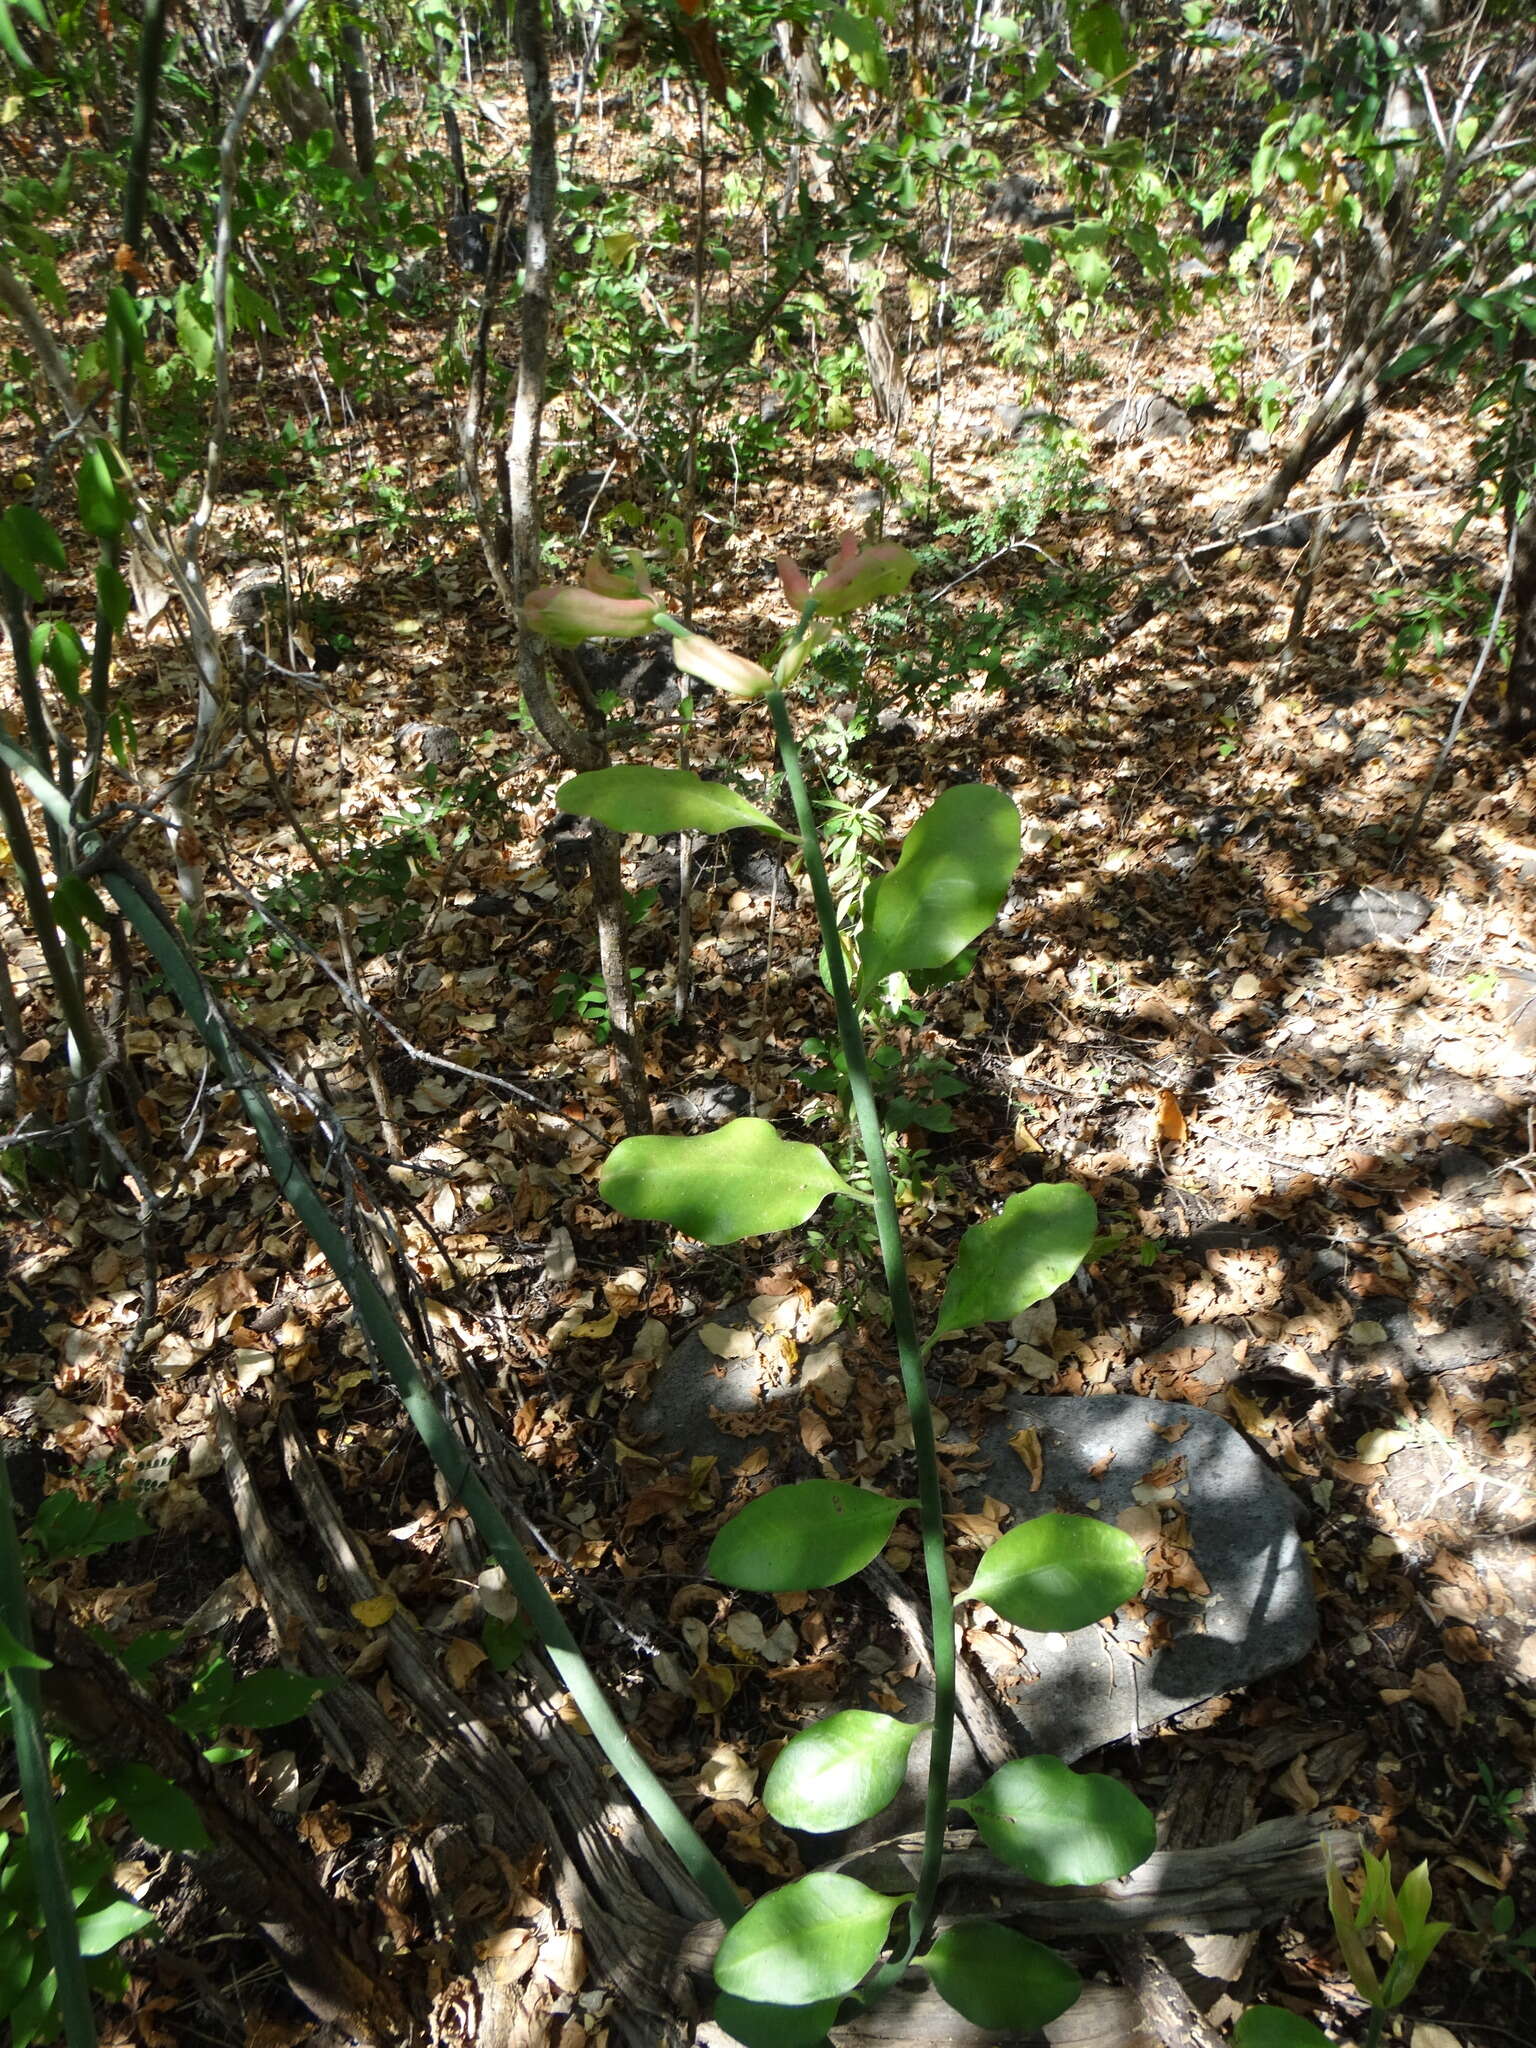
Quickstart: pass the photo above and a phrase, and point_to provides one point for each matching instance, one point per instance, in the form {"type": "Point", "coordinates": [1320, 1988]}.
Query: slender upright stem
{"type": "Point", "coordinates": [395, 1355]}
{"type": "Point", "coordinates": [908, 1348]}
{"type": "Point", "coordinates": [49, 1876]}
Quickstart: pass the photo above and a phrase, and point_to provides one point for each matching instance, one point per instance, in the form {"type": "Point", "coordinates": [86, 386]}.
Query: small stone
{"type": "Point", "coordinates": [1351, 918]}
{"type": "Point", "coordinates": [1146, 417]}
{"type": "Point", "coordinates": [1294, 532]}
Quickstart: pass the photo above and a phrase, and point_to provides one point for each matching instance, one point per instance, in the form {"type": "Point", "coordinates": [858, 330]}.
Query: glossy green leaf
{"type": "Point", "coordinates": [1098, 38]}
{"type": "Point", "coordinates": [269, 1698]}
{"type": "Point", "coordinates": [813, 1939]}
{"type": "Point", "coordinates": [57, 647]}
{"type": "Point", "coordinates": [1271, 2026]}
{"type": "Point", "coordinates": [742, 1180]}
{"type": "Point", "coordinates": [1059, 1572]}
{"type": "Point", "coordinates": [1011, 1261]}
{"type": "Point", "coordinates": [103, 504]}
{"type": "Point", "coordinates": [15, 1656]}
{"type": "Point", "coordinates": [103, 1930]}
{"type": "Point", "coordinates": [775, 2026]}
{"type": "Point", "coordinates": [815, 1533]}
{"type": "Point", "coordinates": [161, 1812]}
{"type": "Point", "coordinates": [29, 544]}
{"type": "Point", "coordinates": [846, 1769]}
{"type": "Point", "coordinates": [1061, 1826]}
{"type": "Point", "coordinates": [955, 867]}
{"type": "Point", "coordinates": [997, 1978]}
{"type": "Point", "coordinates": [113, 596]}
{"type": "Point", "coordinates": [661, 800]}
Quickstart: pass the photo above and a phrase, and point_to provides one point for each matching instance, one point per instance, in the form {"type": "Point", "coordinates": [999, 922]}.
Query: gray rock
{"type": "Point", "coordinates": [1358, 530]}
{"type": "Point", "coordinates": [580, 491]}
{"type": "Point", "coordinates": [1087, 1688]}
{"type": "Point", "coordinates": [698, 1396]}
{"type": "Point", "coordinates": [428, 744]}
{"type": "Point", "coordinates": [1148, 416]}
{"type": "Point", "coordinates": [1294, 532]}
{"type": "Point", "coordinates": [708, 1101]}
{"type": "Point", "coordinates": [1351, 918]}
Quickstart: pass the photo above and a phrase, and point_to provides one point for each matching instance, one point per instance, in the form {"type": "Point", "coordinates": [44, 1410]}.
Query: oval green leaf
{"type": "Point", "coordinates": [161, 1812]}
{"type": "Point", "coordinates": [775, 2026]}
{"type": "Point", "coordinates": [742, 1180]}
{"type": "Point", "coordinates": [815, 1533]}
{"type": "Point", "coordinates": [1016, 1258]}
{"type": "Point", "coordinates": [1271, 2026]}
{"type": "Point", "coordinates": [1059, 1572]}
{"type": "Point", "coordinates": [813, 1939]}
{"type": "Point", "coordinates": [1061, 1826]}
{"type": "Point", "coordinates": [997, 1978]}
{"type": "Point", "coordinates": [949, 884]}
{"type": "Point", "coordinates": [846, 1769]}
{"type": "Point", "coordinates": [101, 499]}
{"type": "Point", "coordinates": [661, 800]}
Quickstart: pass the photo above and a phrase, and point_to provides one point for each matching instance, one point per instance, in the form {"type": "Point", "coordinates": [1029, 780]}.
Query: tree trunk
{"type": "Point", "coordinates": [1519, 712]}
{"type": "Point", "coordinates": [357, 76]}
{"type": "Point", "coordinates": [579, 750]}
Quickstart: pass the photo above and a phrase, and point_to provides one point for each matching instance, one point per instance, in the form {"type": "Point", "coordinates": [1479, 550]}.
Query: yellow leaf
{"type": "Point", "coordinates": [1377, 1445]}
{"type": "Point", "coordinates": [375, 1612]}
{"type": "Point", "coordinates": [601, 1326]}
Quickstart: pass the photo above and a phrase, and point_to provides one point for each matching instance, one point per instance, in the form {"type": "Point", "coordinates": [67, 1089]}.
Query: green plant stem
{"type": "Point", "coordinates": [49, 1876]}
{"type": "Point", "coordinates": [1374, 2026]}
{"type": "Point", "coordinates": [34, 890]}
{"type": "Point", "coordinates": [399, 1361]}
{"type": "Point", "coordinates": [908, 1352]}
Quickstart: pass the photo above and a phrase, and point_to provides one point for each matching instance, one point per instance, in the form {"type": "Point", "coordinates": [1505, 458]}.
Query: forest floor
{"type": "Point", "coordinates": [1314, 1148]}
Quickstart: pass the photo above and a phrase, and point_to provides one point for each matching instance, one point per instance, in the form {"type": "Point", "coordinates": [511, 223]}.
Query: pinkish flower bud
{"type": "Point", "coordinates": [797, 585]}
{"type": "Point", "coordinates": [566, 616]}
{"type": "Point", "coordinates": [631, 581]}
{"type": "Point", "coordinates": [861, 575]}
{"type": "Point", "coordinates": [712, 663]}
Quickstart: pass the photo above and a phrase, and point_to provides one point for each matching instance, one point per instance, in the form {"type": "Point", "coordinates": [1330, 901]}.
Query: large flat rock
{"type": "Point", "coordinates": [1229, 1597]}
{"type": "Point", "coordinates": [1216, 1517]}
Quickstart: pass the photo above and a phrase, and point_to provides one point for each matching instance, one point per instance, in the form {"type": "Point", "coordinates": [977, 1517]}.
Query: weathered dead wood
{"type": "Point", "coordinates": [1168, 2013]}
{"type": "Point", "coordinates": [448, 1772]}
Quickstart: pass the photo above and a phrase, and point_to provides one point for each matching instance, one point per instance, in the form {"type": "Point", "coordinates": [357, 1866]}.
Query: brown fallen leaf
{"type": "Point", "coordinates": [1465, 1645]}
{"type": "Point", "coordinates": [461, 1659]}
{"type": "Point", "coordinates": [1026, 1443]}
{"type": "Point", "coordinates": [1438, 1687]}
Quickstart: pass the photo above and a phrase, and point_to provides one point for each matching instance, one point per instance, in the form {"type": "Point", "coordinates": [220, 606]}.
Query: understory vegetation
{"type": "Point", "coordinates": [767, 987]}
